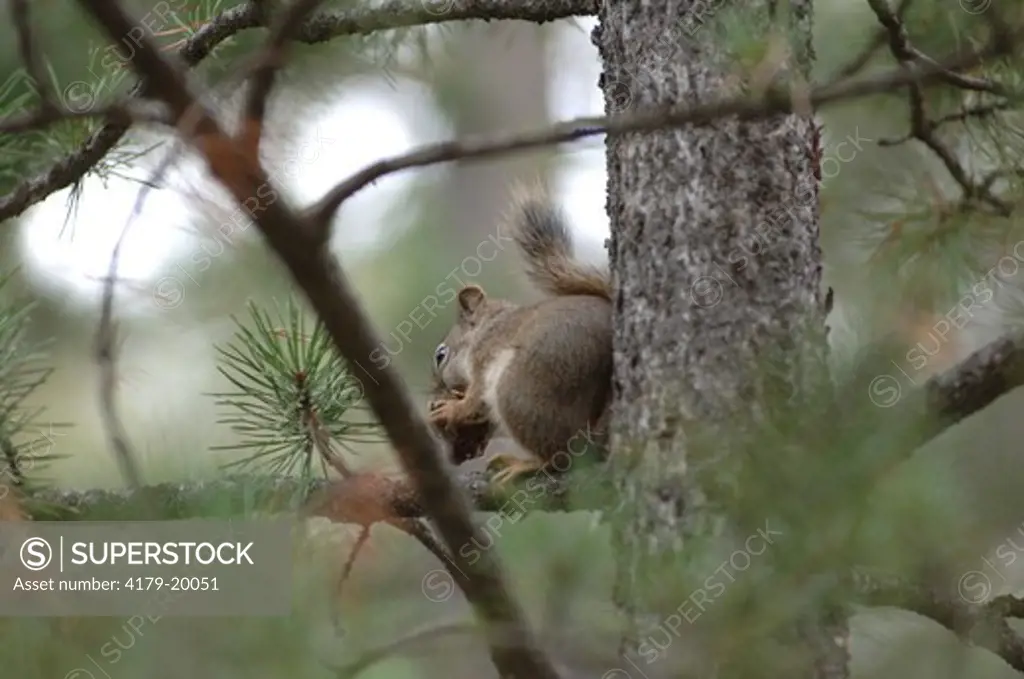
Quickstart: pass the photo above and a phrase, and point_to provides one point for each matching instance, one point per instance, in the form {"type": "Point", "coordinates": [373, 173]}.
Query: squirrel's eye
{"type": "Point", "coordinates": [440, 354]}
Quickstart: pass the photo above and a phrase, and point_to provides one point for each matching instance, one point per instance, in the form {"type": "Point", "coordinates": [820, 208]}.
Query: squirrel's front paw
{"type": "Point", "coordinates": [444, 414]}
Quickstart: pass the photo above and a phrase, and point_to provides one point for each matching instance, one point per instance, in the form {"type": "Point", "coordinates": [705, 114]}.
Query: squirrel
{"type": "Point", "coordinates": [541, 373]}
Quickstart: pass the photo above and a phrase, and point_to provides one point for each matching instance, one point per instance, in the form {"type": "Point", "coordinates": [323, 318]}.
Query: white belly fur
{"type": "Point", "coordinates": [492, 377]}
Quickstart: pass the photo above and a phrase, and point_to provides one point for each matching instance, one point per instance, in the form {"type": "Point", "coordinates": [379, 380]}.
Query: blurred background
{"type": "Point", "coordinates": [190, 262]}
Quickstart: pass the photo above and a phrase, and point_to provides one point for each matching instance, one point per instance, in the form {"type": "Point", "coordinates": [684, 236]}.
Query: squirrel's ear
{"type": "Point", "coordinates": [470, 298]}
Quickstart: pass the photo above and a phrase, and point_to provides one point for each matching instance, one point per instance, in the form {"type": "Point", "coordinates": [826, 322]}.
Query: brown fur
{"type": "Point", "coordinates": [542, 235]}
{"type": "Point", "coordinates": [540, 373]}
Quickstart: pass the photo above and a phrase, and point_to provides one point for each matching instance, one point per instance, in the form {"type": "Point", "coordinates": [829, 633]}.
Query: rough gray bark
{"type": "Point", "coordinates": [715, 248]}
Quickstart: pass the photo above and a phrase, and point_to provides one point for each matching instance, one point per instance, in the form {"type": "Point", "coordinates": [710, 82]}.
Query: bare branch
{"type": "Point", "coordinates": [325, 26]}
{"type": "Point", "coordinates": [774, 102]}
{"type": "Point", "coordinates": [106, 348]}
{"type": "Point", "coordinates": [948, 398]}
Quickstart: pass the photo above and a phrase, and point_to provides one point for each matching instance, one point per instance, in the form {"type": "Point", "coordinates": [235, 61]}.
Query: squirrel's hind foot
{"type": "Point", "coordinates": [514, 466]}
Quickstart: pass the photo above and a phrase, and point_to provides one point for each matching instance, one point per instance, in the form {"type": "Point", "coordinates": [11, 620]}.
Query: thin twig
{"type": "Point", "coordinates": [964, 82]}
{"type": "Point", "coordinates": [106, 334]}
{"type": "Point", "coordinates": [959, 117]}
{"type": "Point", "coordinates": [106, 358]}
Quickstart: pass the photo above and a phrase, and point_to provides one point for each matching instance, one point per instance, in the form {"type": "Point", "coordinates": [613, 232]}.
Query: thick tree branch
{"type": "Point", "coordinates": [951, 397]}
{"type": "Point", "coordinates": [987, 374]}
{"type": "Point", "coordinates": [323, 27]}
{"type": "Point", "coordinates": [918, 413]}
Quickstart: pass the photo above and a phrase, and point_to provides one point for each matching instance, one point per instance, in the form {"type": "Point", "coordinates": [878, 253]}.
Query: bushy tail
{"type": "Point", "coordinates": [541, 232]}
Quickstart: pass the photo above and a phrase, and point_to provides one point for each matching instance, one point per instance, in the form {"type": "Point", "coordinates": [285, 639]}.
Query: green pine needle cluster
{"type": "Point", "coordinates": [291, 390]}
{"type": "Point", "coordinates": [26, 442]}
{"type": "Point", "coordinates": [289, 381]}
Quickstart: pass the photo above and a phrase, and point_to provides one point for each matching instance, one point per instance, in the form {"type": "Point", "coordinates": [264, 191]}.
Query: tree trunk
{"type": "Point", "coordinates": [715, 251]}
